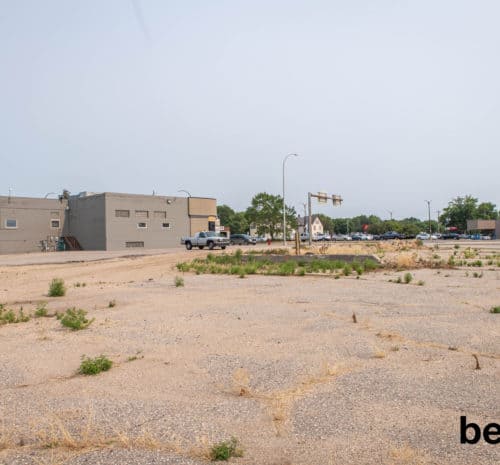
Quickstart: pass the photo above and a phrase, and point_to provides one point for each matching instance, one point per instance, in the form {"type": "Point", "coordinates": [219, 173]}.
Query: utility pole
{"type": "Point", "coordinates": [390, 213]}
{"type": "Point", "coordinates": [284, 207]}
{"type": "Point", "coordinates": [438, 213]}
{"type": "Point", "coordinates": [429, 210]}
{"type": "Point", "coordinates": [322, 197]}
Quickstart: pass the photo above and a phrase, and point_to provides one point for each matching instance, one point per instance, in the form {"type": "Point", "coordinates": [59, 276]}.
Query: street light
{"type": "Point", "coordinates": [182, 190]}
{"type": "Point", "coordinates": [390, 213]}
{"type": "Point", "coordinates": [429, 209]}
{"type": "Point", "coordinates": [284, 214]}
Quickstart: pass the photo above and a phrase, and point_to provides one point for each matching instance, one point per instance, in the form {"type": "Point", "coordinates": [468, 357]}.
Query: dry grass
{"type": "Point", "coordinates": [406, 455]}
{"type": "Point", "coordinates": [379, 354]}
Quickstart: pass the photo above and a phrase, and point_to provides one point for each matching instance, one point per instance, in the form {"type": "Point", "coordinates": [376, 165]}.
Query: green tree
{"type": "Point", "coordinates": [235, 221]}
{"type": "Point", "coordinates": [266, 213]}
{"type": "Point", "coordinates": [486, 211]}
{"type": "Point", "coordinates": [458, 211]}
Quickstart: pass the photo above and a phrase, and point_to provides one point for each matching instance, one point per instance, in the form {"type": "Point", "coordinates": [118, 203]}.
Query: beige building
{"type": "Point", "coordinates": [30, 224]}
{"type": "Point", "coordinates": [487, 226]}
{"type": "Point", "coordinates": [102, 221]}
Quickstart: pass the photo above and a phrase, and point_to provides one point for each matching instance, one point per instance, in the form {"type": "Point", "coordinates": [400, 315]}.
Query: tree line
{"type": "Point", "coordinates": [265, 213]}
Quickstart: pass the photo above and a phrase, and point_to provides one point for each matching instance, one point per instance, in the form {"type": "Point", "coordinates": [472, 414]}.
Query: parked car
{"type": "Point", "coordinates": [242, 239]}
{"type": "Point", "coordinates": [391, 235]}
{"type": "Point", "coordinates": [304, 236]}
{"type": "Point", "coordinates": [450, 235]}
{"type": "Point", "coordinates": [423, 236]}
{"type": "Point", "coordinates": [203, 239]}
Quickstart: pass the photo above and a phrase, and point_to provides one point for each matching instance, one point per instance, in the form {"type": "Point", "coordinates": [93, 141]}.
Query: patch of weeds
{"type": "Point", "coordinates": [223, 451]}
{"type": "Point", "coordinates": [179, 281]}
{"type": "Point", "coordinates": [41, 310]}
{"type": "Point", "coordinates": [395, 349]}
{"type": "Point", "coordinates": [57, 288]}
{"type": "Point", "coordinates": [495, 309]}
{"type": "Point", "coordinates": [112, 303]}
{"type": "Point", "coordinates": [8, 316]}
{"type": "Point", "coordinates": [477, 275]}
{"type": "Point", "coordinates": [75, 319]}
{"type": "Point", "coordinates": [456, 246]}
{"type": "Point", "coordinates": [93, 366]}
{"type": "Point", "coordinates": [347, 270]}
{"type": "Point", "coordinates": [420, 283]}
{"type": "Point", "coordinates": [408, 277]}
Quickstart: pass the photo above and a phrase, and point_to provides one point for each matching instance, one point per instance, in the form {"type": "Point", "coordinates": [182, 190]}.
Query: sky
{"type": "Point", "coordinates": [388, 103]}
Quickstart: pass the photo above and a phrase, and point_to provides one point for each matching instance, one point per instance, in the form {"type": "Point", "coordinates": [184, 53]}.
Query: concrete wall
{"type": "Point", "coordinates": [33, 218]}
{"type": "Point", "coordinates": [86, 220]}
{"type": "Point", "coordinates": [166, 220]}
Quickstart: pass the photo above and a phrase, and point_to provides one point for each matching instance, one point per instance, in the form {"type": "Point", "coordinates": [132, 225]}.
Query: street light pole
{"type": "Point", "coordinates": [429, 209]}
{"type": "Point", "coordinates": [439, 215]}
{"type": "Point", "coordinates": [284, 212]}
{"type": "Point", "coordinates": [390, 213]}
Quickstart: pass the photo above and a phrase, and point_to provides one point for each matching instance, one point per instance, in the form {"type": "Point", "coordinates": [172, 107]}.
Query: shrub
{"type": "Point", "coordinates": [420, 283]}
{"type": "Point", "coordinates": [225, 450]}
{"type": "Point", "coordinates": [112, 303]}
{"type": "Point", "coordinates": [495, 309]}
{"type": "Point", "coordinates": [93, 366]}
{"type": "Point", "coordinates": [8, 316]}
{"type": "Point", "coordinates": [75, 319]}
{"type": "Point", "coordinates": [178, 281]}
{"type": "Point", "coordinates": [57, 288]}
{"type": "Point", "coordinates": [419, 242]}
{"type": "Point", "coordinates": [41, 310]}
{"type": "Point", "coordinates": [408, 278]}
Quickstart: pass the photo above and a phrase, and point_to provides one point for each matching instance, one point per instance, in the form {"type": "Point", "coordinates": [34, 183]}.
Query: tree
{"type": "Point", "coordinates": [461, 209]}
{"type": "Point", "coordinates": [235, 221]}
{"type": "Point", "coordinates": [266, 212]}
{"type": "Point", "coordinates": [486, 211]}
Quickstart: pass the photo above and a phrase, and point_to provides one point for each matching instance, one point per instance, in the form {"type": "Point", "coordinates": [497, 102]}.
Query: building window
{"type": "Point", "coordinates": [10, 224]}
{"type": "Point", "coordinates": [142, 214]}
{"type": "Point", "coordinates": [161, 215]}
{"type": "Point", "coordinates": [55, 224]}
{"type": "Point", "coordinates": [142, 225]}
{"type": "Point", "coordinates": [166, 226]}
{"type": "Point", "coordinates": [134, 244]}
{"type": "Point", "coordinates": [122, 213]}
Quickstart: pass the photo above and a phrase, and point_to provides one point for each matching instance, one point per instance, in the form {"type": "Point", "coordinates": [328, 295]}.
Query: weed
{"type": "Point", "coordinates": [75, 319]}
{"type": "Point", "coordinates": [9, 317]}
{"type": "Point", "coordinates": [456, 246]}
{"type": "Point", "coordinates": [420, 283]}
{"type": "Point", "coordinates": [399, 280]}
{"type": "Point", "coordinates": [495, 309]}
{"type": "Point", "coordinates": [179, 281]}
{"type": "Point", "coordinates": [394, 348]}
{"type": "Point", "coordinates": [379, 354]}
{"type": "Point", "coordinates": [57, 288]}
{"type": "Point", "coordinates": [112, 303]}
{"type": "Point", "coordinates": [41, 310]}
{"type": "Point", "coordinates": [408, 278]}
{"type": "Point", "coordinates": [93, 366]}
{"type": "Point", "coordinates": [419, 242]}
{"type": "Point", "coordinates": [225, 450]}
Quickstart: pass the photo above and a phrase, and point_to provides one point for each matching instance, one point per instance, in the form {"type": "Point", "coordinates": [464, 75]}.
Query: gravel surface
{"type": "Point", "coordinates": [276, 362]}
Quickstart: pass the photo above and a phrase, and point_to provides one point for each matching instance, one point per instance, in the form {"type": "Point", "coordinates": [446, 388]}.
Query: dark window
{"type": "Point", "coordinates": [165, 225]}
{"type": "Point", "coordinates": [142, 225]}
{"type": "Point", "coordinates": [55, 223]}
{"type": "Point", "coordinates": [10, 224]}
{"type": "Point", "coordinates": [134, 244]}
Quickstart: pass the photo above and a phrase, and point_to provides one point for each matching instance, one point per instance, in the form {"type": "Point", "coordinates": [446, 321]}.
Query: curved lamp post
{"type": "Point", "coordinates": [284, 213]}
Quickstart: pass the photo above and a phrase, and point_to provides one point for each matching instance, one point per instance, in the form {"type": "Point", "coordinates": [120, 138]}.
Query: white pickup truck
{"type": "Point", "coordinates": [204, 239]}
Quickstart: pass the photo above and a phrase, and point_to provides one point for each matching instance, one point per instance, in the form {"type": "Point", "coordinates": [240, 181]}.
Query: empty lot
{"type": "Point", "coordinates": [276, 362]}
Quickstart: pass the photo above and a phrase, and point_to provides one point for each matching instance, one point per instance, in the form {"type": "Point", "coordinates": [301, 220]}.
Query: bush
{"type": "Point", "coordinates": [178, 281]}
{"type": "Point", "coordinates": [225, 450]}
{"type": "Point", "coordinates": [41, 310]}
{"type": "Point", "coordinates": [8, 316]}
{"type": "Point", "coordinates": [112, 303]}
{"type": "Point", "coordinates": [408, 278]}
{"type": "Point", "coordinates": [495, 309]}
{"type": "Point", "coordinates": [57, 288]}
{"type": "Point", "coordinates": [75, 319]}
{"type": "Point", "coordinates": [93, 366]}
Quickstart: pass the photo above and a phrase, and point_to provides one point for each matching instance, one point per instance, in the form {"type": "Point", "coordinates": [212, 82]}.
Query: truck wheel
{"type": "Point", "coordinates": [201, 247]}
{"type": "Point", "coordinates": [189, 246]}
{"type": "Point", "coordinates": [222, 247]}
{"type": "Point", "coordinates": [210, 245]}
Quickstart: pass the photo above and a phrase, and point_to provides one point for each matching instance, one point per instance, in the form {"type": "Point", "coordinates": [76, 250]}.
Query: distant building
{"type": "Point", "coordinates": [316, 225]}
{"type": "Point", "coordinates": [491, 227]}
{"type": "Point", "coordinates": [102, 221]}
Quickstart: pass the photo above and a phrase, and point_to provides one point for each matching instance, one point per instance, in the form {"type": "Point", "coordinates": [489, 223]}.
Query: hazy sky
{"type": "Point", "coordinates": [387, 102]}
